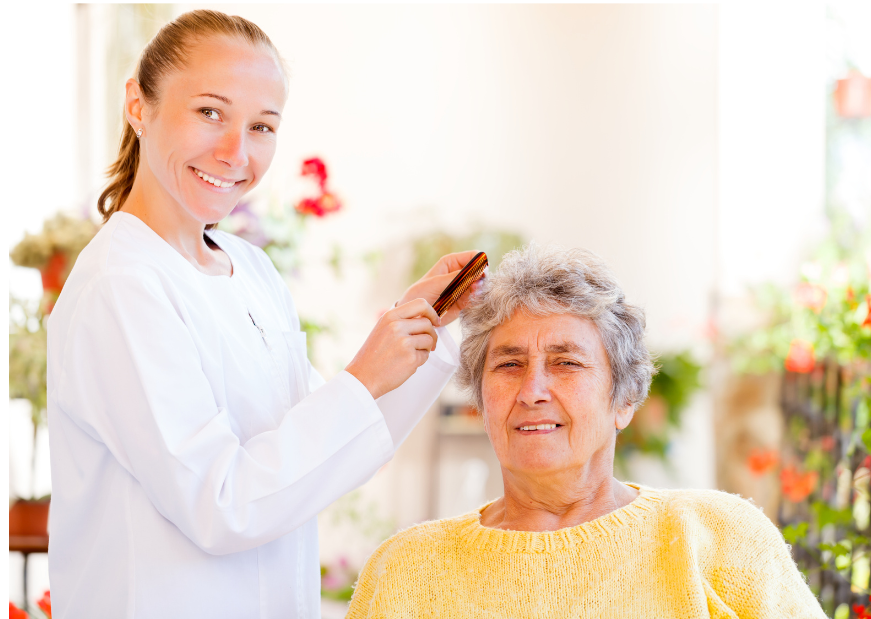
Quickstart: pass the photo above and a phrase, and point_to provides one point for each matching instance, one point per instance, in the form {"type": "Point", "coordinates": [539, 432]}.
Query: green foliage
{"type": "Point", "coordinates": [28, 356]}
{"type": "Point", "coordinates": [676, 382]}
{"type": "Point", "coordinates": [825, 514]}
{"type": "Point", "coordinates": [838, 329]}
{"type": "Point", "coordinates": [795, 533]}
{"type": "Point", "coordinates": [672, 387]}
{"type": "Point", "coordinates": [428, 249]}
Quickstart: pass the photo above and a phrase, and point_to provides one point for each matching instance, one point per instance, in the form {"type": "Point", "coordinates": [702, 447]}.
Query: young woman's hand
{"type": "Point", "coordinates": [399, 344]}
{"type": "Point", "coordinates": [430, 286]}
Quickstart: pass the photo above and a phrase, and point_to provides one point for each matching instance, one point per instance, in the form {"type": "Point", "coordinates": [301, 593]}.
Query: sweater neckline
{"type": "Point", "coordinates": [499, 540]}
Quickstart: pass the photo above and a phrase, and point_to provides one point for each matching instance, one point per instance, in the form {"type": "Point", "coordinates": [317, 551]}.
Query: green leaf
{"type": "Point", "coordinates": [795, 533]}
{"type": "Point", "coordinates": [826, 514]}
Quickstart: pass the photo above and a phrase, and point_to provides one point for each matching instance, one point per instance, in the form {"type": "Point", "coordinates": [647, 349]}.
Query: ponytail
{"type": "Point", "coordinates": [121, 174]}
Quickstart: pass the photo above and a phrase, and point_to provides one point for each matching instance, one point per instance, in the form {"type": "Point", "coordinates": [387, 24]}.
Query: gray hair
{"type": "Point", "coordinates": [553, 280]}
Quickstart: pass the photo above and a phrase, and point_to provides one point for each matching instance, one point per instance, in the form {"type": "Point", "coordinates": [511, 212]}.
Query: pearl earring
{"type": "Point", "coordinates": [139, 133]}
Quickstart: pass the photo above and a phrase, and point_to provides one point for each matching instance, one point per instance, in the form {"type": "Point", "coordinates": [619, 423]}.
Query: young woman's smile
{"type": "Point", "coordinates": [212, 135]}
{"type": "Point", "coordinates": [214, 182]}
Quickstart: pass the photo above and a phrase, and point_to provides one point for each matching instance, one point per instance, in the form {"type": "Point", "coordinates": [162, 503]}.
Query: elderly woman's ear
{"type": "Point", "coordinates": [624, 416]}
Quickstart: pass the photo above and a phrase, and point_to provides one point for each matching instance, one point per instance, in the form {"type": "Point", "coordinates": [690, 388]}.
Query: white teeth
{"type": "Point", "coordinates": [214, 181]}
{"type": "Point", "coordinates": [541, 426]}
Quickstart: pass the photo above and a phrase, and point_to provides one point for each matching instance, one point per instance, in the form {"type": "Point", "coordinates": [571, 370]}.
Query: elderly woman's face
{"type": "Point", "coordinates": [546, 390]}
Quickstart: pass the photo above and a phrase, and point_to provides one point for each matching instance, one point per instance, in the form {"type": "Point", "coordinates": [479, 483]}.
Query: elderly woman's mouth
{"type": "Point", "coordinates": [539, 428]}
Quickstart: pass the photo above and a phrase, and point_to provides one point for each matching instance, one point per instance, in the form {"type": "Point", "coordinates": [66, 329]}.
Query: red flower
{"type": "Point", "coordinates": [812, 296]}
{"type": "Point", "coordinates": [321, 206]}
{"type": "Point", "coordinates": [16, 613]}
{"type": "Point", "coordinates": [317, 168]}
{"type": "Point", "coordinates": [861, 611]}
{"type": "Point", "coordinates": [45, 603]}
{"type": "Point", "coordinates": [867, 322]}
{"type": "Point", "coordinates": [797, 486]}
{"type": "Point", "coordinates": [326, 202]}
{"type": "Point", "coordinates": [762, 460]}
{"type": "Point", "coordinates": [800, 357]}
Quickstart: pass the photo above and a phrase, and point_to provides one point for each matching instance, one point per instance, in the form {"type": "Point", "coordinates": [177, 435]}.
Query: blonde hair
{"type": "Point", "coordinates": [552, 280]}
{"type": "Point", "coordinates": [165, 53]}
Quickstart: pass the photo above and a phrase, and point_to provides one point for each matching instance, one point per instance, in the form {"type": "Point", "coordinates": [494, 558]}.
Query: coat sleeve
{"type": "Point", "coordinates": [131, 378]}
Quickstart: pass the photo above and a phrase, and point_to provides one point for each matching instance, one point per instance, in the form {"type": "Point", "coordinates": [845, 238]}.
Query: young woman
{"type": "Point", "coordinates": [192, 443]}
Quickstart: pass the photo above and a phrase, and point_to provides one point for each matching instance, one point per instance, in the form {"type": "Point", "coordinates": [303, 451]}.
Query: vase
{"type": "Point", "coordinates": [29, 518]}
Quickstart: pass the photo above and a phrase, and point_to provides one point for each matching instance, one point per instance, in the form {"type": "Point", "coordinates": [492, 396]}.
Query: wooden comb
{"type": "Point", "coordinates": [465, 278]}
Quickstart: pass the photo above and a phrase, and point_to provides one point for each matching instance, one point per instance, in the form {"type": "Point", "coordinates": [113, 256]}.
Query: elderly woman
{"type": "Point", "coordinates": [554, 358]}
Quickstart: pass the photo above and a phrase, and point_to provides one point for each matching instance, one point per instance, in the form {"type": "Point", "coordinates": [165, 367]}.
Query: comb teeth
{"type": "Point", "coordinates": [471, 272]}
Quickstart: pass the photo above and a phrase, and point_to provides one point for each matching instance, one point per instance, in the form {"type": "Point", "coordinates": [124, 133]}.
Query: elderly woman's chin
{"type": "Point", "coordinates": [555, 358]}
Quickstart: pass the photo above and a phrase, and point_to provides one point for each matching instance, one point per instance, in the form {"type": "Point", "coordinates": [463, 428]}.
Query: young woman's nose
{"type": "Point", "coordinates": [535, 388]}
{"type": "Point", "coordinates": [232, 149]}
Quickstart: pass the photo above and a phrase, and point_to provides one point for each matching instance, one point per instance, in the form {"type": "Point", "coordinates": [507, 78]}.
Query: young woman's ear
{"type": "Point", "coordinates": [133, 104]}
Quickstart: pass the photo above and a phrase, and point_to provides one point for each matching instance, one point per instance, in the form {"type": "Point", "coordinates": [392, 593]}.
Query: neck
{"type": "Point", "coordinates": [557, 500]}
{"type": "Point", "coordinates": [170, 221]}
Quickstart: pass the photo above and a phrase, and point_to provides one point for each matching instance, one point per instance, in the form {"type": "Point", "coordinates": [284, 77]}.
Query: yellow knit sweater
{"type": "Point", "coordinates": [669, 553]}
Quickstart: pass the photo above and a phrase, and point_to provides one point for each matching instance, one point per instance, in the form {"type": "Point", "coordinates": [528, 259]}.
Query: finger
{"type": "Point", "coordinates": [452, 262]}
{"type": "Point", "coordinates": [419, 326]}
{"type": "Point", "coordinates": [415, 308]}
{"type": "Point", "coordinates": [422, 356]}
{"type": "Point", "coordinates": [423, 341]}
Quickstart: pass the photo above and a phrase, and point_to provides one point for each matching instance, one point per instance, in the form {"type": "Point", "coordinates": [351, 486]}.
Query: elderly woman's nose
{"type": "Point", "coordinates": [535, 387]}
{"type": "Point", "coordinates": [232, 148]}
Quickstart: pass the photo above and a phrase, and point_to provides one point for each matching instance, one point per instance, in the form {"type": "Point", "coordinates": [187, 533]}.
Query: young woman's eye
{"type": "Point", "coordinates": [210, 113]}
{"type": "Point", "coordinates": [262, 128]}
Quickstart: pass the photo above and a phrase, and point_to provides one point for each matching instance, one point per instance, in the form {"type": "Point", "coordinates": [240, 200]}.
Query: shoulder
{"type": "Point", "coordinates": [424, 538]}
{"type": "Point", "coordinates": [121, 254]}
{"type": "Point", "coordinates": [713, 507]}
{"type": "Point", "coordinates": [722, 527]}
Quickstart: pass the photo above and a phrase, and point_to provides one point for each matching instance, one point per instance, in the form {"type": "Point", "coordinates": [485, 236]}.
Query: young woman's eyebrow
{"type": "Point", "coordinates": [214, 96]}
{"type": "Point", "coordinates": [224, 99]}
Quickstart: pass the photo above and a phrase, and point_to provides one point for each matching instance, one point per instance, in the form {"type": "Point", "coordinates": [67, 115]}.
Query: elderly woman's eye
{"type": "Point", "coordinates": [210, 113]}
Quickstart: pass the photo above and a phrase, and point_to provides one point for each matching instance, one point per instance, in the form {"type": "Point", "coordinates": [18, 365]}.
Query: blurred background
{"type": "Point", "coordinates": [718, 156]}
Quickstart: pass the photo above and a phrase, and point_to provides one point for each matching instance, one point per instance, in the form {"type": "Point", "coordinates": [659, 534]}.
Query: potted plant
{"type": "Point", "coordinates": [27, 366]}
{"type": "Point", "coordinates": [53, 252]}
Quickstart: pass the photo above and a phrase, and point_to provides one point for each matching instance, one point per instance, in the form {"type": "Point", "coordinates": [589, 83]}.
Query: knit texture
{"type": "Point", "coordinates": [669, 553]}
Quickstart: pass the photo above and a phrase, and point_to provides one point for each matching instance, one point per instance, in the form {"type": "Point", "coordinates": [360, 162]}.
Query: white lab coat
{"type": "Point", "coordinates": [192, 450]}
